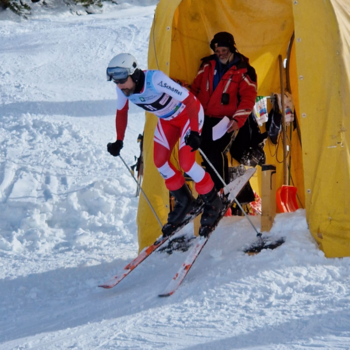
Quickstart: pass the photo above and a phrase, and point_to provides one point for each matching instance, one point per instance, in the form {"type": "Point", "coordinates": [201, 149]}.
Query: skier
{"type": "Point", "coordinates": [180, 116]}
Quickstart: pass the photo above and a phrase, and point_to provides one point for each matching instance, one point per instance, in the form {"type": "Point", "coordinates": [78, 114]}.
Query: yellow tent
{"type": "Point", "coordinates": [319, 72]}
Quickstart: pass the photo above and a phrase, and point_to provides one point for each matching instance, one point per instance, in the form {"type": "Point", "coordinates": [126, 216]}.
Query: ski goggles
{"type": "Point", "coordinates": [118, 74]}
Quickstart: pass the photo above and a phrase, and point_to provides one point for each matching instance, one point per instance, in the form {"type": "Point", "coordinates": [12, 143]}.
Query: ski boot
{"type": "Point", "coordinates": [184, 204]}
{"type": "Point", "coordinates": [212, 209]}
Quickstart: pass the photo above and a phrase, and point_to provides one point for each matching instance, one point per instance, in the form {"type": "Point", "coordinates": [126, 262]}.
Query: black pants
{"type": "Point", "coordinates": [215, 152]}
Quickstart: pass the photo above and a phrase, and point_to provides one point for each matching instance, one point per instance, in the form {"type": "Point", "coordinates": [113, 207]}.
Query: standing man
{"type": "Point", "coordinates": [180, 117]}
{"type": "Point", "coordinates": [226, 85]}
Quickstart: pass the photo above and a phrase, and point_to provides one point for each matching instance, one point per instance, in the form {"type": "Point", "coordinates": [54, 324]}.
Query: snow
{"type": "Point", "coordinates": [68, 218]}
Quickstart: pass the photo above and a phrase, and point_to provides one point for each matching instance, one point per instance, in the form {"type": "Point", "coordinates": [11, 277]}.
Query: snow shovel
{"type": "Point", "coordinates": [285, 195]}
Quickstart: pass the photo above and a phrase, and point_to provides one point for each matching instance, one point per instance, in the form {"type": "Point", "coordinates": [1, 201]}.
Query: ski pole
{"type": "Point", "coordinates": [139, 186]}
{"type": "Point", "coordinates": [222, 180]}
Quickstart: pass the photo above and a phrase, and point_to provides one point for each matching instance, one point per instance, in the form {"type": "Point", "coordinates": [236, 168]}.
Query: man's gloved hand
{"type": "Point", "coordinates": [114, 148]}
{"type": "Point", "coordinates": [193, 140]}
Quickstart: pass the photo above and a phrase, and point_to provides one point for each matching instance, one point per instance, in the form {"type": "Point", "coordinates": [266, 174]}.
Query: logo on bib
{"type": "Point", "coordinates": [165, 85]}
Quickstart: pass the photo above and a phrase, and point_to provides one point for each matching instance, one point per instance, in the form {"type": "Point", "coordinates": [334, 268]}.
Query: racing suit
{"type": "Point", "coordinates": [179, 112]}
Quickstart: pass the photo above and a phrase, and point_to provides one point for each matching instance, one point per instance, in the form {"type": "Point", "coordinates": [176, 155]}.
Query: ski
{"type": "Point", "coordinates": [232, 190]}
{"type": "Point", "coordinates": [149, 250]}
{"type": "Point", "coordinates": [185, 268]}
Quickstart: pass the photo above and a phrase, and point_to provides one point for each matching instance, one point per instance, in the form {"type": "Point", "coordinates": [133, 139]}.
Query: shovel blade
{"type": "Point", "coordinates": [286, 199]}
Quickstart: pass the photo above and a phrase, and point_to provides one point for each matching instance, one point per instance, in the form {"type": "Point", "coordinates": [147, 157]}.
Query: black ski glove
{"type": "Point", "coordinates": [114, 148]}
{"type": "Point", "coordinates": [193, 140]}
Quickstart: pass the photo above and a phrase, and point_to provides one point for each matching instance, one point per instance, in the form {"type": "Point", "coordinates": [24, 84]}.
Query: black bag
{"type": "Point", "coordinates": [139, 160]}
{"type": "Point", "coordinates": [274, 123]}
{"type": "Point", "coordinates": [248, 147]}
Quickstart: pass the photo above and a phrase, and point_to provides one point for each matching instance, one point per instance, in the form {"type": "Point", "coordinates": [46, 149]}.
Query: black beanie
{"type": "Point", "coordinates": [223, 39]}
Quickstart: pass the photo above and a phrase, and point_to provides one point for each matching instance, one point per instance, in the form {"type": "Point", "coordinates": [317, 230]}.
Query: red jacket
{"type": "Point", "coordinates": [240, 82]}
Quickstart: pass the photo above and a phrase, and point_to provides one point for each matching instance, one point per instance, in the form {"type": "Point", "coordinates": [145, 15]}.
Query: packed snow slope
{"type": "Point", "coordinates": [68, 218]}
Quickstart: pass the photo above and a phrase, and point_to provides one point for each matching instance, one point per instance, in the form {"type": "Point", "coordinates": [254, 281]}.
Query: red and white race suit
{"type": "Point", "coordinates": [178, 111]}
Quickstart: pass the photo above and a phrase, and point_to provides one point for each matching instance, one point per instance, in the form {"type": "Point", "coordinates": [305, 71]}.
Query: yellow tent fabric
{"type": "Point", "coordinates": [320, 83]}
{"type": "Point", "coordinates": [323, 82]}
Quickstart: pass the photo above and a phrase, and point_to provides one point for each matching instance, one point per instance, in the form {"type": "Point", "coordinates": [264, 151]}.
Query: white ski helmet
{"type": "Point", "coordinates": [121, 66]}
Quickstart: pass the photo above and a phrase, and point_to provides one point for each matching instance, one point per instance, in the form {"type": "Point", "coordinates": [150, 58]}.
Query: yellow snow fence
{"type": "Point", "coordinates": [319, 79]}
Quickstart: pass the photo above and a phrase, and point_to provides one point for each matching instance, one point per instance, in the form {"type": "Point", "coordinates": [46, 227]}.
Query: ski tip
{"type": "Point", "coordinates": [105, 286]}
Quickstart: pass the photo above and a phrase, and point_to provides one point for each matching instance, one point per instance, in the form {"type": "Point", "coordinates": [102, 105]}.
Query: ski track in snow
{"type": "Point", "coordinates": [68, 219]}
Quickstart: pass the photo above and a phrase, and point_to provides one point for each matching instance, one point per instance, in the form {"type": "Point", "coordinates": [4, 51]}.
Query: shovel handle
{"type": "Point", "coordinates": [284, 129]}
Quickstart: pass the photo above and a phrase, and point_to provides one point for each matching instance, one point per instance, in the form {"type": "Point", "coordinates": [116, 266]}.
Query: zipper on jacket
{"type": "Point", "coordinates": [227, 85]}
